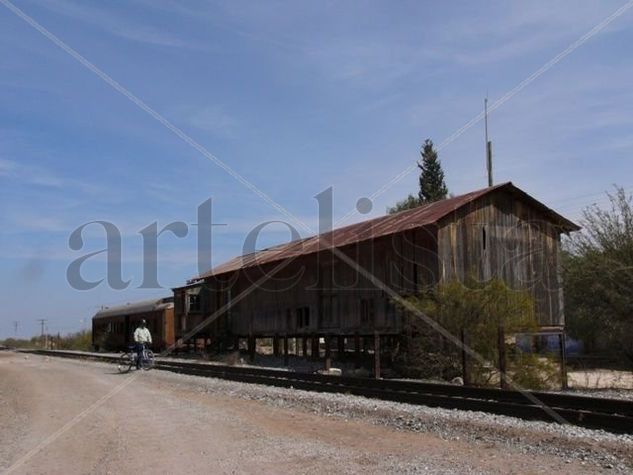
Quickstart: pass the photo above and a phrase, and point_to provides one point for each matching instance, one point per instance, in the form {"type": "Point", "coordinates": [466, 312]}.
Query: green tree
{"type": "Point", "coordinates": [81, 340]}
{"type": "Point", "coordinates": [598, 278]}
{"type": "Point", "coordinates": [432, 185]}
{"type": "Point", "coordinates": [409, 202]}
{"type": "Point", "coordinates": [477, 308]}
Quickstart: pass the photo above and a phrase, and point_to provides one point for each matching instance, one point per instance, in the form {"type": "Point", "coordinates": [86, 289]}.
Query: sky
{"type": "Point", "coordinates": [261, 106]}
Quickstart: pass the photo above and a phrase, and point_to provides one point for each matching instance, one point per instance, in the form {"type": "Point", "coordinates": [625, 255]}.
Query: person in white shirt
{"type": "Point", "coordinates": [142, 337]}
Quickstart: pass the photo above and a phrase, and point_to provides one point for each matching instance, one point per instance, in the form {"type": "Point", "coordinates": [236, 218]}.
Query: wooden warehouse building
{"type": "Point", "coordinates": [304, 290]}
{"type": "Point", "coordinates": [113, 327]}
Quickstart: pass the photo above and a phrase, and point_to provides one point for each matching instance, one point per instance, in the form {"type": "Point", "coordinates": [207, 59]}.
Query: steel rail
{"type": "Point", "coordinates": [614, 415]}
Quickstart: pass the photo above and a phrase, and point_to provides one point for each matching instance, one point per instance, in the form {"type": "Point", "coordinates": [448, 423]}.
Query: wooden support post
{"type": "Point", "coordinates": [304, 347]}
{"type": "Point", "coordinates": [236, 343]}
{"type": "Point", "coordinates": [286, 350]}
{"type": "Point", "coordinates": [340, 340]}
{"type": "Point", "coordinates": [376, 355]}
{"type": "Point", "coordinates": [315, 347]}
{"type": "Point", "coordinates": [328, 352]}
{"type": "Point", "coordinates": [502, 358]}
{"type": "Point", "coordinates": [563, 360]}
{"type": "Point", "coordinates": [252, 348]}
{"type": "Point", "coordinates": [276, 351]}
{"type": "Point", "coordinates": [465, 372]}
{"type": "Point", "coordinates": [356, 350]}
{"type": "Point", "coordinates": [220, 345]}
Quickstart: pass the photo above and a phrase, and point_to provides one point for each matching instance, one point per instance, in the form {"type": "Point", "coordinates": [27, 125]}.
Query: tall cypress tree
{"type": "Point", "coordinates": [432, 185]}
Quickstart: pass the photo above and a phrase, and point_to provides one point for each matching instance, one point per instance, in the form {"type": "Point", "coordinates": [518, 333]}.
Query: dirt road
{"type": "Point", "coordinates": [157, 423]}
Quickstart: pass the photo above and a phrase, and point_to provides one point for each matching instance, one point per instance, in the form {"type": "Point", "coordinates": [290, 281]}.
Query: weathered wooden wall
{"type": "Point", "coordinates": [322, 293]}
{"type": "Point", "coordinates": [318, 293]}
{"type": "Point", "coordinates": [501, 237]}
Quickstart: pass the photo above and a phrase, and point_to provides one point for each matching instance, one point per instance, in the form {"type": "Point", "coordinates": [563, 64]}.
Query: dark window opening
{"type": "Point", "coordinates": [390, 311]}
{"type": "Point", "coordinates": [483, 238]}
{"type": "Point", "coordinates": [194, 303]}
{"type": "Point", "coordinates": [303, 317]}
{"type": "Point", "coordinates": [367, 311]}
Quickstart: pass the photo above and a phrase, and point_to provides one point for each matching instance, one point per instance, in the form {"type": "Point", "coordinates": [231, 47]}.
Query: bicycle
{"type": "Point", "coordinates": [127, 360]}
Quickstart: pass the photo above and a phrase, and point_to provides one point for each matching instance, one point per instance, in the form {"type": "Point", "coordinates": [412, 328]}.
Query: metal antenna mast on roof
{"type": "Point", "coordinates": [488, 144]}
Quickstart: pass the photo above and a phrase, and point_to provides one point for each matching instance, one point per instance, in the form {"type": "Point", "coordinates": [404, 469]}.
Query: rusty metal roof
{"type": "Point", "coordinates": [136, 307]}
{"type": "Point", "coordinates": [423, 215]}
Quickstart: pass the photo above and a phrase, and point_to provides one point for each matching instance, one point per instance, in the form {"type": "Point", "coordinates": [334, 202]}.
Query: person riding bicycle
{"type": "Point", "coordinates": [142, 336]}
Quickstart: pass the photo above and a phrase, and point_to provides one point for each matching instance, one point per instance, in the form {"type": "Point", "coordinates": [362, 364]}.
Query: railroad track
{"type": "Point", "coordinates": [613, 415]}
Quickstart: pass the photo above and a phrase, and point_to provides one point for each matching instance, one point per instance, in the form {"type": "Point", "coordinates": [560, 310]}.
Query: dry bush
{"type": "Point", "coordinates": [531, 371]}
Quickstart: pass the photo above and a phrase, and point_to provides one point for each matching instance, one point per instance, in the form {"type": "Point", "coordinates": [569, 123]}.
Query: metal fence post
{"type": "Point", "coordinates": [502, 358]}
{"type": "Point", "coordinates": [563, 359]}
{"type": "Point", "coordinates": [465, 372]}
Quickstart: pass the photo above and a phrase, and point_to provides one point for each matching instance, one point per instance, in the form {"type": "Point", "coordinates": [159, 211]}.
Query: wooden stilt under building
{"type": "Point", "coordinates": [340, 340]}
{"type": "Point", "coordinates": [377, 355]}
{"type": "Point", "coordinates": [252, 348]}
{"type": "Point", "coordinates": [328, 352]}
{"type": "Point", "coordinates": [315, 347]}
{"type": "Point", "coordinates": [357, 361]}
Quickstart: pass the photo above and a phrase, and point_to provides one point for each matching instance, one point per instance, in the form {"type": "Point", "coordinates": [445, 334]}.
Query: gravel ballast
{"type": "Point", "coordinates": [594, 447]}
{"type": "Point", "coordinates": [232, 424]}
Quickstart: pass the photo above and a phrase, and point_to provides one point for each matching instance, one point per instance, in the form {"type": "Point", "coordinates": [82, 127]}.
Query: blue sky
{"type": "Point", "coordinates": [295, 97]}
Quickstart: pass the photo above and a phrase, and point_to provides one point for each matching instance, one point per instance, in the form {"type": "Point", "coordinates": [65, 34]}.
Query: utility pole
{"type": "Point", "coordinates": [15, 328]}
{"type": "Point", "coordinates": [42, 322]}
{"type": "Point", "coordinates": [488, 144]}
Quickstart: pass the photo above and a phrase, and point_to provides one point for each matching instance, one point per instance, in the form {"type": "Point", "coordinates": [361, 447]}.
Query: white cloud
{"type": "Point", "coordinates": [118, 25]}
{"type": "Point", "coordinates": [29, 174]}
{"type": "Point", "coordinates": [212, 119]}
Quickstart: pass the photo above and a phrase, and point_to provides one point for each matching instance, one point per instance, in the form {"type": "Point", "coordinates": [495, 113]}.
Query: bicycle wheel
{"type": "Point", "coordinates": [125, 363]}
{"type": "Point", "coordinates": [148, 360]}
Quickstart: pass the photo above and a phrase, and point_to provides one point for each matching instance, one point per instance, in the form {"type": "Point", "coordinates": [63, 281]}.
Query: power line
{"type": "Point", "coordinates": [42, 323]}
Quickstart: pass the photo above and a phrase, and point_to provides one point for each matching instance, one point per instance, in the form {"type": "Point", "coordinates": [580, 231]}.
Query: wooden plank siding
{"type": "Point", "coordinates": [498, 237]}
{"type": "Point", "coordinates": [501, 233]}
{"type": "Point", "coordinates": [320, 293]}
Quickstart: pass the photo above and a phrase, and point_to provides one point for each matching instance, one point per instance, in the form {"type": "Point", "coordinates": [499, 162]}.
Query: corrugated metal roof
{"type": "Point", "coordinates": [136, 307]}
{"type": "Point", "coordinates": [424, 215]}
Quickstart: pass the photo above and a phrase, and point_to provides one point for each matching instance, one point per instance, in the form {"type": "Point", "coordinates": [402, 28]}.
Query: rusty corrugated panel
{"type": "Point", "coordinates": [424, 215]}
{"type": "Point", "coordinates": [136, 307]}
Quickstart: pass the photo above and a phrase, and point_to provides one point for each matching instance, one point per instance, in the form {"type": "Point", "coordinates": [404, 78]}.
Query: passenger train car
{"type": "Point", "coordinates": [113, 327]}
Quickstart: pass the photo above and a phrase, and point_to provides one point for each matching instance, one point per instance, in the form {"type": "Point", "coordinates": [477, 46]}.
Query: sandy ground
{"type": "Point", "coordinates": [156, 425]}
{"type": "Point", "coordinates": [600, 379]}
